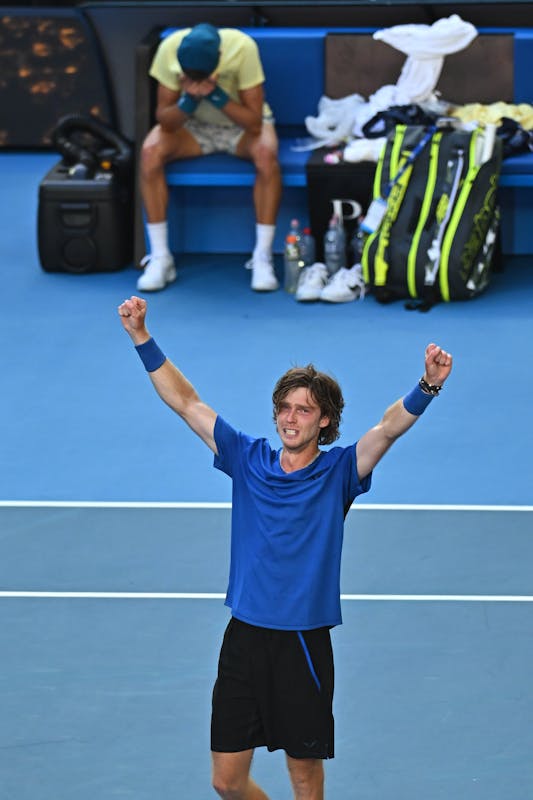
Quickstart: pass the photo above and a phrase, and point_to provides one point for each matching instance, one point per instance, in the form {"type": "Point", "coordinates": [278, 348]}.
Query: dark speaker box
{"type": "Point", "coordinates": [84, 223]}
{"type": "Point", "coordinates": [328, 182]}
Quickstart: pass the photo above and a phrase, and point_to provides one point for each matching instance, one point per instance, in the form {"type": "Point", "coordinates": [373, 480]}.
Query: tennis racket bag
{"type": "Point", "coordinates": [435, 236]}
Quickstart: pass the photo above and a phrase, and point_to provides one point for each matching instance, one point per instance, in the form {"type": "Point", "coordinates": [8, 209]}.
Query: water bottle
{"type": "Point", "coordinates": [307, 248]}
{"type": "Point", "coordinates": [357, 244]}
{"type": "Point", "coordinates": [335, 245]}
{"type": "Point", "coordinates": [294, 230]}
{"type": "Point", "coordinates": [292, 263]}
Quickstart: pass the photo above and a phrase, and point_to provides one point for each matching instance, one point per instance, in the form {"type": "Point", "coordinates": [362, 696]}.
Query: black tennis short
{"type": "Point", "coordinates": [274, 688]}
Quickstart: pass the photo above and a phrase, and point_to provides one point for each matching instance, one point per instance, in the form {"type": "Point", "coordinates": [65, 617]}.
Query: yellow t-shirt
{"type": "Point", "coordinates": [239, 68]}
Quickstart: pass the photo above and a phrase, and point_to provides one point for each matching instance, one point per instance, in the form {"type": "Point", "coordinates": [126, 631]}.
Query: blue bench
{"type": "Point", "coordinates": [210, 207]}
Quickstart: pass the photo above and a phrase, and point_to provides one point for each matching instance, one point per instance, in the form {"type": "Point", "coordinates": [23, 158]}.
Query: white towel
{"type": "Point", "coordinates": [425, 47]}
{"type": "Point", "coordinates": [335, 119]}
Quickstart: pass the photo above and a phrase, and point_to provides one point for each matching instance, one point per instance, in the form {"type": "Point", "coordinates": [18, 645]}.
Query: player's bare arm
{"type": "Point", "coordinates": [170, 384]}
{"type": "Point", "coordinates": [167, 113]}
{"type": "Point", "coordinates": [397, 419]}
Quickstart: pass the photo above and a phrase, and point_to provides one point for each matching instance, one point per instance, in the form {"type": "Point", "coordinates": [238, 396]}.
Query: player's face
{"type": "Point", "coordinates": [299, 420]}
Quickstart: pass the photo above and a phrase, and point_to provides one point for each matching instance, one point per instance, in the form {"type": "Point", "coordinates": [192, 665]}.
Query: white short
{"type": "Point", "coordinates": [217, 138]}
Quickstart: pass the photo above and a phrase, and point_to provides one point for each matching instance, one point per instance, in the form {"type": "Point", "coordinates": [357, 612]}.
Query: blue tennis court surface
{"type": "Point", "coordinates": [114, 532]}
{"type": "Point", "coordinates": [111, 619]}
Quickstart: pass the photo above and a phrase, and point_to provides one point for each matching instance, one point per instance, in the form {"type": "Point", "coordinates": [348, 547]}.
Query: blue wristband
{"type": "Point", "coordinates": [187, 103]}
{"type": "Point", "coordinates": [150, 355]}
{"type": "Point", "coordinates": [218, 97]}
{"type": "Point", "coordinates": [417, 401]}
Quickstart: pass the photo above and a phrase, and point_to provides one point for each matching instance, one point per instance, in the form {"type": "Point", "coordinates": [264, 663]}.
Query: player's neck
{"type": "Point", "coordinates": [290, 462]}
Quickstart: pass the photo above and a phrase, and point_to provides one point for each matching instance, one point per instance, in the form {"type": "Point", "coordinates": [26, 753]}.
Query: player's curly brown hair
{"type": "Point", "coordinates": [323, 388]}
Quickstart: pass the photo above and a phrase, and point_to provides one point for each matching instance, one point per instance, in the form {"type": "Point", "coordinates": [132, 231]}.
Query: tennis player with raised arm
{"type": "Point", "coordinates": [274, 686]}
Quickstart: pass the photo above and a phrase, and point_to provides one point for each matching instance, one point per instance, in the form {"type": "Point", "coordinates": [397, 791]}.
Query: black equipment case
{"type": "Point", "coordinates": [84, 223]}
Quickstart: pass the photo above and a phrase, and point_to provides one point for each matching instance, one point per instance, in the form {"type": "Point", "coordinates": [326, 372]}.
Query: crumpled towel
{"type": "Point", "coordinates": [335, 119]}
{"type": "Point", "coordinates": [425, 47]}
{"type": "Point", "coordinates": [495, 112]}
{"type": "Point", "coordinates": [364, 150]}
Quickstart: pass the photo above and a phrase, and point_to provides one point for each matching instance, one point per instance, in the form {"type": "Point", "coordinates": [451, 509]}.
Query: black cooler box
{"type": "Point", "coordinates": [85, 223]}
{"type": "Point", "coordinates": [328, 182]}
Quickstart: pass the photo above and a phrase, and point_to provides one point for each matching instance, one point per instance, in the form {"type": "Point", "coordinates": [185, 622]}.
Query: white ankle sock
{"type": "Point", "coordinates": [264, 237]}
{"type": "Point", "coordinates": [158, 238]}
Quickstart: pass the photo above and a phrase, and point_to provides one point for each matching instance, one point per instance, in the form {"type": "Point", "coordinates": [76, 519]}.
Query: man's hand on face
{"type": "Point", "coordinates": [198, 88]}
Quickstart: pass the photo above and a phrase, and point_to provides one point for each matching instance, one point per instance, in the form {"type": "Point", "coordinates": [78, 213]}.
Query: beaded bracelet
{"type": "Point", "coordinates": [430, 388]}
{"type": "Point", "coordinates": [150, 354]}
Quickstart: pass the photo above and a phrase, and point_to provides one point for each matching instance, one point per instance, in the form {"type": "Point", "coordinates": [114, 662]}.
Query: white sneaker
{"type": "Point", "coordinates": [311, 282]}
{"type": "Point", "coordinates": [263, 275]}
{"type": "Point", "coordinates": [344, 286]}
{"type": "Point", "coordinates": [158, 273]}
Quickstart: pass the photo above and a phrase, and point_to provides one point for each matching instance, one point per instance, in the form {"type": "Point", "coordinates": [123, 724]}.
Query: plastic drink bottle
{"type": "Point", "coordinates": [356, 245]}
{"type": "Point", "coordinates": [307, 247]}
{"type": "Point", "coordinates": [294, 230]}
{"type": "Point", "coordinates": [335, 245]}
{"type": "Point", "coordinates": [292, 263]}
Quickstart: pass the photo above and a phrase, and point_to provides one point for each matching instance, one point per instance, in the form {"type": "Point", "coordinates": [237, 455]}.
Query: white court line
{"type": "Point", "coordinates": [425, 598]}
{"type": "Point", "coordinates": [103, 504]}
{"type": "Point", "coordinates": [219, 596]}
{"type": "Point", "coordinates": [355, 506]}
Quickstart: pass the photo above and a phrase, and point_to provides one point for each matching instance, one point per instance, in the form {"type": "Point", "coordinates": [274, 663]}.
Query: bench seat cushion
{"type": "Point", "coordinates": [224, 170]}
{"type": "Point", "coordinates": [520, 164]}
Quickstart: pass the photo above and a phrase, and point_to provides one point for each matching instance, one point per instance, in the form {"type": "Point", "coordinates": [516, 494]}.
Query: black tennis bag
{"type": "Point", "coordinates": [436, 239]}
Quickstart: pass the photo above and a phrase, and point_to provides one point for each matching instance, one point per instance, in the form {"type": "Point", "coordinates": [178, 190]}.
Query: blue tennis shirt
{"type": "Point", "coordinates": [287, 531]}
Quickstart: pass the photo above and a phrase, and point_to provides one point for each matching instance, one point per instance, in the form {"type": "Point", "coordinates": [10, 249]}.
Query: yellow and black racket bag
{"type": "Point", "coordinates": [436, 239]}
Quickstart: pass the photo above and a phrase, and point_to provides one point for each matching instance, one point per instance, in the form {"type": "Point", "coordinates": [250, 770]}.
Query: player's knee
{"type": "Point", "coordinates": [151, 158]}
{"type": "Point", "coordinates": [228, 788]}
{"type": "Point", "coordinates": [266, 159]}
{"type": "Point", "coordinates": [307, 778]}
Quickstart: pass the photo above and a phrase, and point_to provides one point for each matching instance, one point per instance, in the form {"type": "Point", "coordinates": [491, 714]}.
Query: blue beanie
{"type": "Point", "coordinates": [200, 49]}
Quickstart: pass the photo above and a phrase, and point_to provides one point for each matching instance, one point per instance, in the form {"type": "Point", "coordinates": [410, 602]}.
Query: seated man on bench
{"type": "Point", "coordinates": [210, 99]}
